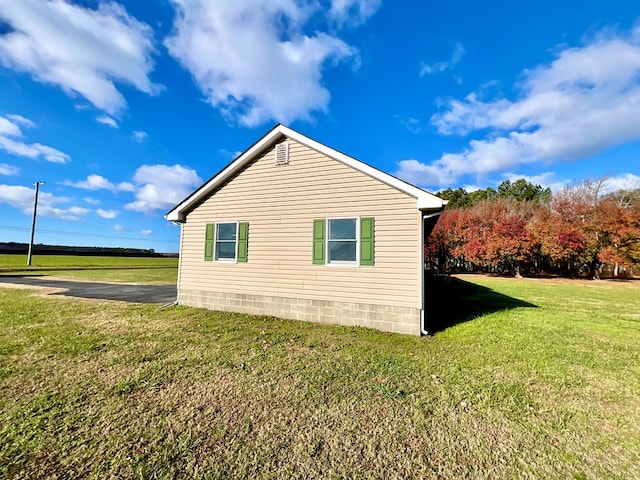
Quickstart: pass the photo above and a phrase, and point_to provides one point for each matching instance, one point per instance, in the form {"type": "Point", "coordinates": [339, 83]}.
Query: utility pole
{"type": "Point", "coordinates": [33, 224]}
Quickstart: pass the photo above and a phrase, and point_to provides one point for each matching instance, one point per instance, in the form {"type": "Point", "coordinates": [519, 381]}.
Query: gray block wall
{"type": "Point", "coordinates": [382, 317]}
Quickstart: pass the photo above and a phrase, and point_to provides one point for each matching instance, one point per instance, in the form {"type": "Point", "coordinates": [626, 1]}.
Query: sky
{"type": "Point", "coordinates": [123, 108]}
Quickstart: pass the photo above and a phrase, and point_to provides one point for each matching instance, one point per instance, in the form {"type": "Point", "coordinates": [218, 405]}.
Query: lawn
{"type": "Point", "coordinates": [534, 379]}
{"type": "Point", "coordinates": [152, 270]}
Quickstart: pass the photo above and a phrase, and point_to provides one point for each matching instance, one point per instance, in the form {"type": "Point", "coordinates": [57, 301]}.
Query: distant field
{"type": "Point", "coordinates": [94, 268]}
{"type": "Point", "coordinates": [535, 379]}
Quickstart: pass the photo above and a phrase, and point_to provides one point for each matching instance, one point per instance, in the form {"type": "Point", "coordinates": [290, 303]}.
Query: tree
{"type": "Point", "coordinates": [444, 245]}
{"type": "Point", "coordinates": [524, 191]}
{"type": "Point", "coordinates": [580, 229]}
{"type": "Point", "coordinates": [618, 227]}
{"type": "Point", "coordinates": [561, 238]}
{"type": "Point", "coordinates": [478, 196]}
{"type": "Point", "coordinates": [458, 198]}
{"type": "Point", "coordinates": [498, 237]}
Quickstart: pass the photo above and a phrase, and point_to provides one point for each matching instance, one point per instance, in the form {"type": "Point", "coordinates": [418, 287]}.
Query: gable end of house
{"type": "Point", "coordinates": [275, 137]}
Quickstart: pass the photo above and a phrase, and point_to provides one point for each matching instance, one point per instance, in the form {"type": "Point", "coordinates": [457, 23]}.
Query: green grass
{"type": "Point", "coordinates": [152, 270]}
{"type": "Point", "coordinates": [535, 379]}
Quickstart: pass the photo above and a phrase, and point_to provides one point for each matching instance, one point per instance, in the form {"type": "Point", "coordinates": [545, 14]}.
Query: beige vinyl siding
{"type": "Point", "coordinates": [280, 204]}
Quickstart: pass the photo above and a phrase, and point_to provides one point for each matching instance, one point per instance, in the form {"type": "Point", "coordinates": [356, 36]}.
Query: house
{"type": "Point", "coordinates": [296, 229]}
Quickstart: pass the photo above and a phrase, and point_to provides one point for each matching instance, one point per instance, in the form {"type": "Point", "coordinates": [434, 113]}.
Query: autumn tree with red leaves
{"type": "Point", "coordinates": [579, 230]}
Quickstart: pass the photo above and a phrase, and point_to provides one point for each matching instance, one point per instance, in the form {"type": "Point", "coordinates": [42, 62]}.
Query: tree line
{"type": "Point", "coordinates": [524, 229]}
{"type": "Point", "coordinates": [42, 249]}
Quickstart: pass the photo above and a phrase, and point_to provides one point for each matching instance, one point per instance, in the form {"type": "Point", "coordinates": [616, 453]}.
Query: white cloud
{"type": "Point", "coordinates": [353, 11]}
{"type": "Point", "coordinates": [146, 233]}
{"type": "Point", "coordinates": [418, 173]}
{"type": "Point", "coordinates": [109, 214]}
{"type": "Point", "coordinates": [439, 67]}
{"type": "Point", "coordinates": [23, 198]}
{"type": "Point", "coordinates": [8, 170]}
{"type": "Point", "coordinates": [586, 101]}
{"type": "Point", "coordinates": [282, 80]}
{"type": "Point", "coordinates": [155, 187]}
{"type": "Point", "coordinates": [229, 153]}
{"type": "Point", "coordinates": [545, 179]}
{"type": "Point", "coordinates": [11, 141]}
{"type": "Point", "coordinates": [107, 120]}
{"type": "Point", "coordinates": [92, 201]}
{"type": "Point", "coordinates": [9, 128]}
{"type": "Point", "coordinates": [98, 182]}
{"type": "Point", "coordinates": [471, 188]}
{"type": "Point", "coordinates": [627, 181]}
{"type": "Point", "coordinates": [412, 124]}
{"type": "Point", "coordinates": [81, 50]}
{"type": "Point", "coordinates": [50, 154]}
{"type": "Point", "coordinates": [25, 122]}
{"type": "Point", "coordinates": [160, 187]}
{"type": "Point", "coordinates": [139, 136]}
{"type": "Point", "coordinates": [78, 210]}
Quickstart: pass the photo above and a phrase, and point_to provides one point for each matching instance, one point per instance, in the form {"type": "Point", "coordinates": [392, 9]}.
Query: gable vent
{"type": "Point", "coordinates": [282, 154]}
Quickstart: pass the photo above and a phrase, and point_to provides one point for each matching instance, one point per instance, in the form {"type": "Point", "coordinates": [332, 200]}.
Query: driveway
{"type": "Point", "coordinates": [162, 294]}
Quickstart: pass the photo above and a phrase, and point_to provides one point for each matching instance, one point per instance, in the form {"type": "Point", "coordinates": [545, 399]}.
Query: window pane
{"type": "Point", "coordinates": [342, 251]}
{"type": "Point", "coordinates": [343, 229]}
{"type": "Point", "coordinates": [227, 231]}
{"type": "Point", "coordinates": [225, 250]}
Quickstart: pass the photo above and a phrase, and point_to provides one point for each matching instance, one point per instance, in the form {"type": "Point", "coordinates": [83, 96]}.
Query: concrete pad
{"type": "Point", "coordinates": [161, 294]}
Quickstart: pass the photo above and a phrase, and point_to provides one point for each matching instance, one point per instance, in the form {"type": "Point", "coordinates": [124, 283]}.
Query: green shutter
{"type": "Point", "coordinates": [243, 241]}
{"type": "Point", "coordinates": [209, 241]}
{"type": "Point", "coordinates": [367, 237]}
{"type": "Point", "coordinates": [318, 241]}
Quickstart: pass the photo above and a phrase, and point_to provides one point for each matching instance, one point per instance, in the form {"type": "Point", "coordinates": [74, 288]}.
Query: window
{"type": "Point", "coordinates": [343, 241]}
{"type": "Point", "coordinates": [226, 237]}
{"type": "Point", "coordinates": [227, 242]}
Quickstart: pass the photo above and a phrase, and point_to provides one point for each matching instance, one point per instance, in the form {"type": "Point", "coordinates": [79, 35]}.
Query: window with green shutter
{"type": "Point", "coordinates": [344, 241]}
{"type": "Point", "coordinates": [227, 242]}
{"type": "Point", "coordinates": [208, 241]}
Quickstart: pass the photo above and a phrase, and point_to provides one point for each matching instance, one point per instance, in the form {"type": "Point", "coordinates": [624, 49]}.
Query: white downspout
{"type": "Point", "coordinates": [180, 249]}
{"type": "Point", "coordinates": [423, 315]}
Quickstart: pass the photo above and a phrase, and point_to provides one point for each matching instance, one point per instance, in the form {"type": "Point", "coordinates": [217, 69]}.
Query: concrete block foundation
{"type": "Point", "coordinates": [382, 317]}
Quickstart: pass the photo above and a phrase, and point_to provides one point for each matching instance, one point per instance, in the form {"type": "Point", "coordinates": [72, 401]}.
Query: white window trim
{"type": "Point", "coordinates": [235, 247]}
{"type": "Point", "coordinates": [356, 262]}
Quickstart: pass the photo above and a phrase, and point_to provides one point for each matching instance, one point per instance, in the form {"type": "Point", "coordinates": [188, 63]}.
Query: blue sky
{"type": "Point", "coordinates": [123, 108]}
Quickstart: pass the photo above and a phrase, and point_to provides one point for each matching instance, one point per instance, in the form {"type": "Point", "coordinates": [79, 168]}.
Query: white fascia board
{"type": "Point", "coordinates": [424, 199]}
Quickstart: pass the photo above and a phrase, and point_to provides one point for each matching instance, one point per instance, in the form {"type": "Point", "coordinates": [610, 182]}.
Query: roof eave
{"type": "Point", "coordinates": [175, 216]}
{"type": "Point", "coordinates": [427, 203]}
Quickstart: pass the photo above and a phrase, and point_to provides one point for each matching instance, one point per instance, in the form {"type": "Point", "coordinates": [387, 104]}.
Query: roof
{"type": "Point", "coordinates": [424, 199]}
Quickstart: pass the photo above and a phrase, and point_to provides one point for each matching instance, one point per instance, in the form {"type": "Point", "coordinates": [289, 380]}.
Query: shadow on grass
{"type": "Point", "coordinates": [451, 301]}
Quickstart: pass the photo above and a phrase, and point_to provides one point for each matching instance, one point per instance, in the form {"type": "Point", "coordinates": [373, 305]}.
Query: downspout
{"type": "Point", "coordinates": [179, 280]}
{"type": "Point", "coordinates": [423, 314]}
